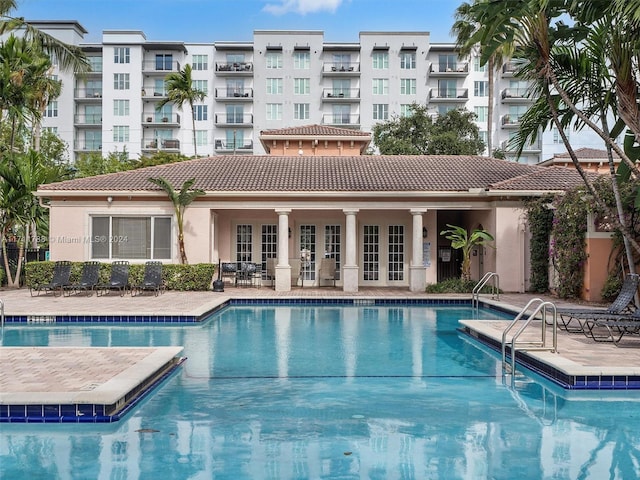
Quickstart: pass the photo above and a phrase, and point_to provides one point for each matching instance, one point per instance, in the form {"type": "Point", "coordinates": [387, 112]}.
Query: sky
{"type": "Point", "coordinates": [208, 21]}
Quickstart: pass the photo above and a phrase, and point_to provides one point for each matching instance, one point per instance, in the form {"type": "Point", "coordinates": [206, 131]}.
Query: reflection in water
{"type": "Point", "coordinates": [288, 393]}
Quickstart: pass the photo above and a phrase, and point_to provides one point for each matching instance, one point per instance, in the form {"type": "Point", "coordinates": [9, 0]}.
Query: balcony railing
{"type": "Point", "coordinates": [160, 66]}
{"type": "Point", "coordinates": [515, 93]}
{"type": "Point", "coordinates": [172, 144]}
{"type": "Point", "coordinates": [172, 119]}
{"type": "Point", "coordinates": [240, 119]}
{"type": "Point", "coordinates": [234, 93]}
{"type": "Point", "coordinates": [88, 119]}
{"type": "Point", "coordinates": [508, 147]}
{"type": "Point", "coordinates": [341, 67]}
{"type": "Point", "coordinates": [456, 94]}
{"type": "Point", "coordinates": [510, 120]}
{"type": "Point", "coordinates": [158, 94]}
{"type": "Point", "coordinates": [449, 68]}
{"type": "Point", "coordinates": [340, 119]}
{"type": "Point", "coordinates": [339, 93]}
{"type": "Point", "coordinates": [234, 67]}
{"type": "Point", "coordinates": [88, 93]}
{"type": "Point", "coordinates": [509, 67]}
{"type": "Point", "coordinates": [224, 145]}
{"type": "Point", "coordinates": [87, 146]}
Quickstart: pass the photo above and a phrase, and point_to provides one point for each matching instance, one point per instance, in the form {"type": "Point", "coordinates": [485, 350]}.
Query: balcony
{"type": "Point", "coordinates": [534, 147]}
{"type": "Point", "coordinates": [449, 70]}
{"type": "Point", "coordinates": [234, 94]}
{"type": "Point", "coordinates": [510, 121]}
{"type": "Point", "coordinates": [157, 119]}
{"type": "Point", "coordinates": [234, 69]}
{"type": "Point", "coordinates": [224, 146]}
{"type": "Point", "coordinates": [161, 67]}
{"type": "Point", "coordinates": [515, 95]}
{"type": "Point", "coordinates": [341, 120]}
{"type": "Point", "coordinates": [91, 95]}
{"type": "Point", "coordinates": [154, 94]}
{"type": "Point", "coordinates": [171, 145]}
{"type": "Point", "coordinates": [509, 69]}
{"type": "Point", "coordinates": [87, 120]}
{"type": "Point", "coordinates": [234, 119]}
{"type": "Point", "coordinates": [449, 95]}
{"type": "Point", "coordinates": [87, 146]}
{"type": "Point", "coordinates": [348, 69]}
{"type": "Point", "coordinates": [341, 94]}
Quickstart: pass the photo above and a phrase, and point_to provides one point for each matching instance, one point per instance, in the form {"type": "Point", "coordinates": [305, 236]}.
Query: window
{"type": "Point", "coordinates": [380, 60]}
{"type": "Point", "coordinates": [308, 242]}
{"type": "Point", "coordinates": [274, 86]}
{"type": "Point", "coordinates": [200, 62]}
{"type": "Point", "coordinates": [301, 60]}
{"type": "Point", "coordinates": [165, 114]}
{"type": "Point", "coordinates": [371, 252]}
{"type": "Point", "coordinates": [444, 109]}
{"type": "Point", "coordinates": [484, 136]}
{"type": "Point", "coordinates": [273, 60]}
{"type": "Point", "coordinates": [396, 253]}
{"type": "Point", "coordinates": [121, 108]}
{"type": "Point", "coordinates": [244, 243]}
{"type": "Point", "coordinates": [557, 138]}
{"type": "Point", "coordinates": [447, 62]}
{"type": "Point", "coordinates": [380, 111]}
{"type": "Point", "coordinates": [447, 88]}
{"type": "Point", "coordinates": [202, 85]}
{"type": "Point", "coordinates": [92, 114]}
{"type": "Point", "coordinates": [332, 245]}
{"type": "Point", "coordinates": [121, 55]}
{"type": "Point", "coordinates": [121, 81]}
{"type": "Point", "coordinates": [120, 133]}
{"type": "Point", "coordinates": [482, 113]}
{"type": "Point", "coordinates": [406, 110]}
{"type": "Point", "coordinates": [164, 61]}
{"type": "Point", "coordinates": [408, 60]}
{"type": "Point", "coordinates": [481, 88]}
{"type": "Point", "coordinates": [341, 114]}
{"type": "Point", "coordinates": [341, 87]}
{"type": "Point", "coordinates": [341, 62]}
{"type": "Point", "coordinates": [200, 112]}
{"type": "Point", "coordinates": [146, 238]}
{"type": "Point", "coordinates": [235, 88]}
{"type": "Point", "coordinates": [407, 86]}
{"type": "Point", "coordinates": [94, 88]}
{"type": "Point", "coordinates": [235, 58]}
{"type": "Point", "coordinates": [301, 111]}
{"type": "Point", "coordinates": [274, 111]}
{"type": "Point", "coordinates": [301, 86]}
{"type": "Point", "coordinates": [95, 63]}
{"type": "Point", "coordinates": [269, 245]}
{"type": "Point", "coordinates": [235, 114]}
{"type": "Point", "coordinates": [52, 130]}
{"type": "Point", "coordinates": [518, 88]}
{"type": "Point", "coordinates": [234, 139]}
{"type": "Point", "coordinates": [201, 138]}
{"type": "Point", "coordinates": [52, 109]}
{"type": "Point", "coordinates": [477, 67]}
{"type": "Point", "coordinates": [380, 86]}
{"type": "Point", "coordinates": [159, 88]}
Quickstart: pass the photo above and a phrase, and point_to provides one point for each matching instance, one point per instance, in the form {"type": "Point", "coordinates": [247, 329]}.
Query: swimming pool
{"type": "Point", "coordinates": [293, 392]}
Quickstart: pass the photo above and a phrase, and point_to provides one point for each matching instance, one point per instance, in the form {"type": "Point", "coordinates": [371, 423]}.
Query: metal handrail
{"type": "Point", "coordinates": [542, 345]}
{"type": "Point", "coordinates": [1, 323]}
{"type": "Point", "coordinates": [495, 292]}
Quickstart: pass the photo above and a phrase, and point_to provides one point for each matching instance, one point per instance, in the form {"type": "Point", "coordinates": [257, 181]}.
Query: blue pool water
{"type": "Point", "coordinates": [301, 392]}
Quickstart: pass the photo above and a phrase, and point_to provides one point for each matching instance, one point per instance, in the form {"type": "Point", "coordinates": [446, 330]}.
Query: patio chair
{"type": "Point", "coordinates": [327, 270]}
{"type": "Point", "coordinates": [119, 279]}
{"type": "Point", "coordinates": [603, 327]}
{"type": "Point", "coordinates": [89, 279]}
{"type": "Point", "coordinates": [152, 280]}
{"type": "Point", "coordinates": [271, 271]}
{"type": "Point", "coordinates": [229, 270]}
{"type": "Point", "coordinates": [572, 319]}
{"type": "Point", "coordinates": [247, 275]}
{"type": "Point", "coordinates": [60, 279]}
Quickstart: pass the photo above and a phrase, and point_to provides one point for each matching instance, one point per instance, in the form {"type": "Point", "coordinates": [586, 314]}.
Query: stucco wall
{"type": "Point", "coordinates": [510, 253]}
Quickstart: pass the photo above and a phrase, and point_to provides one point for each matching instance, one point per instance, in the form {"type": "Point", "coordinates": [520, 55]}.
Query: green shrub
{"type": "Point", "coordinates": [455, 285]}
{"type": "Point", "coordinates": [611, 288]}
{"type": "Point", "coordinates": [196, 277]}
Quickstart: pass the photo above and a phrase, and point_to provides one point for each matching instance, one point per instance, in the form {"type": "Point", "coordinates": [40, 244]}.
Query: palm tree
{"type": "Point", "coordinates": [460, 239]}
{"type": "Point", "coordinates": [180, 91]}
{"type": "Point", "coordinates": [68, 57]}
{"type": "Point", "coordinates": [180, 200]}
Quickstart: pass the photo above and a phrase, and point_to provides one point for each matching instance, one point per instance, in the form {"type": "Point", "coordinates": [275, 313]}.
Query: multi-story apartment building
{"type": "Point", "coordinates": [280, 79]}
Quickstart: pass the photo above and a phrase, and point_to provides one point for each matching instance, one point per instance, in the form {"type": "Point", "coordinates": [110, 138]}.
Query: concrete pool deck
{"type": "Point", "coordinates": [28, 375]}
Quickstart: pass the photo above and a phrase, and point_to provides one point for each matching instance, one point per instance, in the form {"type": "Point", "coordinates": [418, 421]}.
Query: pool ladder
{"type": "Point", "coordinates": [540, 312]}
{"type": "Point", "coordinates": [495, 288]}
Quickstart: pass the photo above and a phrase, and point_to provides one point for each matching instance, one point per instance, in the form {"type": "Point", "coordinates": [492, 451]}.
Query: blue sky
{"type": "Point", "coordinates": [235, 20]}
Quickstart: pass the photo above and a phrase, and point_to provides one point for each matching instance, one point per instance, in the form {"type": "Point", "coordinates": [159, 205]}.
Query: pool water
{"type": "Point", "coordinates": [301, 392]}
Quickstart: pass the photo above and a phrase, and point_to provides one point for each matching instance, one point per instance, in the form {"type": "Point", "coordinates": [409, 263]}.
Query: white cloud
{"type": "Point", "coordinates": [302, 6]}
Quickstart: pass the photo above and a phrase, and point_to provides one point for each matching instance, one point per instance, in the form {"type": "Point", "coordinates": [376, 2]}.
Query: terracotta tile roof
{"type": "Point", "coordinates": [316, 130]}
{"type": "Point", "coordinates": [369, 173]}
{"type": "Point", "coordinates": [586, 154]}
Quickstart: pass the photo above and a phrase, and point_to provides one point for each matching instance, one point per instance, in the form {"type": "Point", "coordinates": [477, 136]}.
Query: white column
{"type": "Point", "coordinates": [283, 269]}
{"type": "Point", "coordinates": [350, 271]}
{"type": "Point", "coordinates": [417, 270]}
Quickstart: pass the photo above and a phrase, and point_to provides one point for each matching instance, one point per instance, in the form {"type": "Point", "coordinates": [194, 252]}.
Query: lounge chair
{"type": "Point", "coordinates": [602, 327]}
{"type": "Point", "coordinates": [624, 303]}
{"type": "Point", "coordinates": [119, 279]}
{"type": "Point", "coordinates": [327, 270]}
{"type": "Point", "coordinates": [152, 279]}
{"type": "Point", "coordinates": [88, 279]}
{"type": "Point", "coordinates": [60, 279]}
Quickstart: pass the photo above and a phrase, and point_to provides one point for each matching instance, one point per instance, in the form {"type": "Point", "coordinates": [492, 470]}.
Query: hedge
{"type": "Point", "coordinates": [197, 277]}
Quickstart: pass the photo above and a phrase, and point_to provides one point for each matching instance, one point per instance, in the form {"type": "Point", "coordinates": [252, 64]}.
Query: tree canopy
{"type": "Point", "coordinates": [419, 133]}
